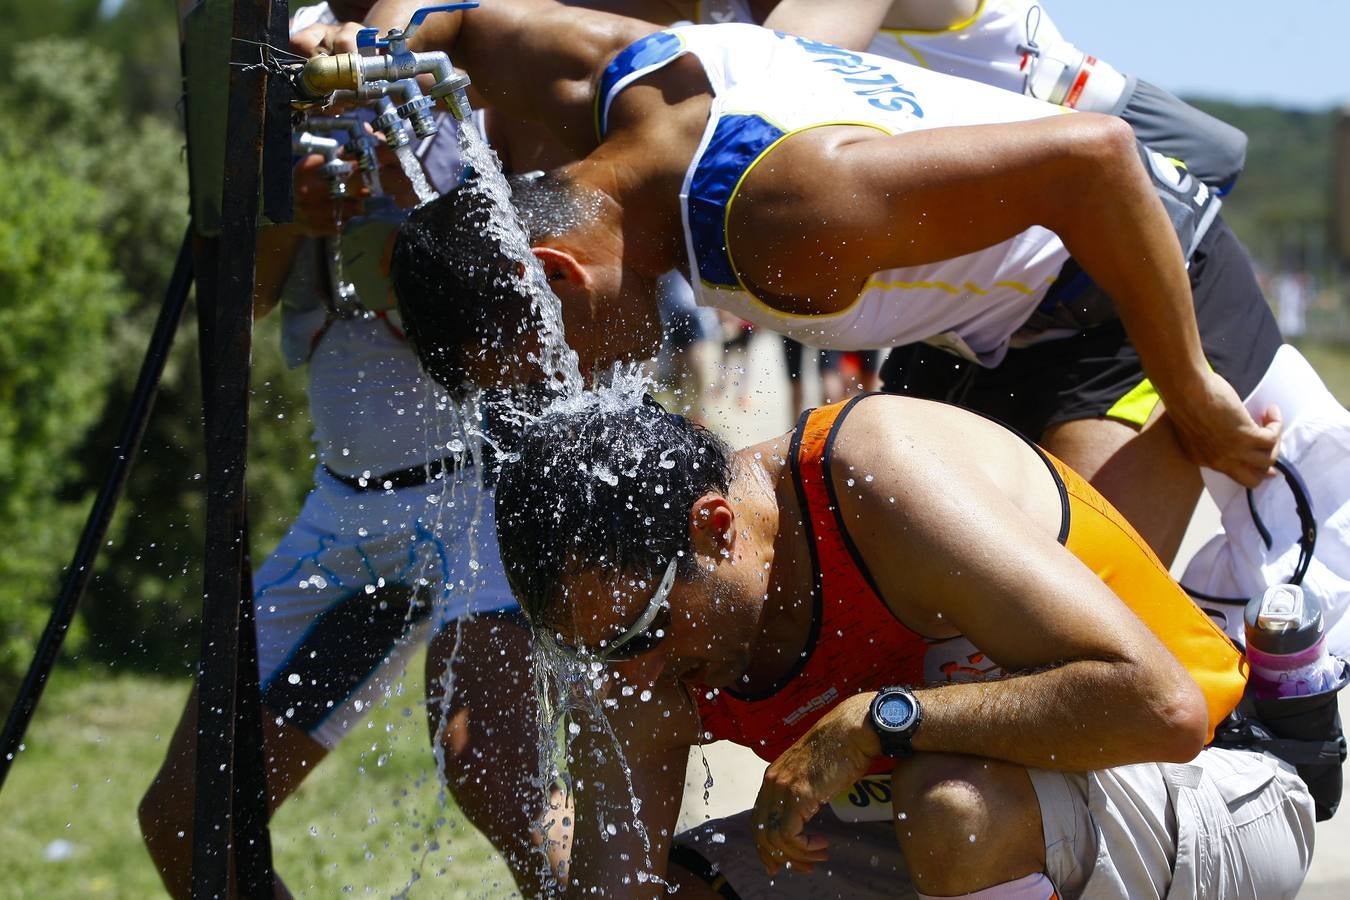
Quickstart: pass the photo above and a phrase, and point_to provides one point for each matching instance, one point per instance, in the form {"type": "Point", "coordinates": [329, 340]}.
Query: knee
{"type": "Point", "coordinates": [948, 794]}
{"type": "Point", "coordinates": [962, 814]}
{"type": "Point", "coordinates": [163, 819]}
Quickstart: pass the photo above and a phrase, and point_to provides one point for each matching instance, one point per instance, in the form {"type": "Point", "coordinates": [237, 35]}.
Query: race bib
{"type": "Point", "coordinates": [869, 800]}
{"type": "Point", "coordinates": [957, 661]}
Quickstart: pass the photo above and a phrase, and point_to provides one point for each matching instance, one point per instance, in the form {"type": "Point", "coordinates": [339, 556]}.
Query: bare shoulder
{"type": "Point", "coordinates": [893, 434]}
{"type": "Point", "coordinates": [930, 461]}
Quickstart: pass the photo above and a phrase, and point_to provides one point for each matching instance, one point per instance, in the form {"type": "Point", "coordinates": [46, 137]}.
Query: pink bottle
{"type": "Point", "coordinates": [1286, 645]}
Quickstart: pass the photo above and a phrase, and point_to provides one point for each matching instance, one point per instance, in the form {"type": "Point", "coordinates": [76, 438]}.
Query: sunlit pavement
{"type": "Point", "coordinates": [736, 771]}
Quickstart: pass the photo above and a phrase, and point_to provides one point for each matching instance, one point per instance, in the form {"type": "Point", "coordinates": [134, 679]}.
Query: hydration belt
{"type": "Point", "coordinates": [1303, 731]}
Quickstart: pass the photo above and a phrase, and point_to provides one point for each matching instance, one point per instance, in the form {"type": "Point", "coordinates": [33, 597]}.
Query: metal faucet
{"type": "Point", "coordinates": [334, 169]}
{"type": "Point", "coordinates": [351, 131]}
{"type": "Point", "coordinates": [390, 60]}
{"type": "Point", "coordinates": [390, 124]}
{"type": "Point", "coordinates": [416, 106]}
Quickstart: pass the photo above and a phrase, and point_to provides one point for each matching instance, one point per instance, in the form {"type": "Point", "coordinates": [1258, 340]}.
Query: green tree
{"type": "Point", "coordinates": [89, 229]}
{"type": "Point", "coordinates": [58, 301]}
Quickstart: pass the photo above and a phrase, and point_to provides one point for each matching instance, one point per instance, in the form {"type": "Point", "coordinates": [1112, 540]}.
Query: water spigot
{"type": "Point", "coordinates": [455, 92]}
{"type": "Point", "coordinates": [415, 106]}
{"type": "Point", "coordinates": [388, 59]}
{"type": "Point", "coordinates": [390, 124]}
{"type": "Point", "coordinates": [418, 112]}
{"type": "Point", "coordinates": [334, 169]}
{"type": "Point", "coordinates": [335, 172]}
{"type": "Point", "coordinates": [351, 131]}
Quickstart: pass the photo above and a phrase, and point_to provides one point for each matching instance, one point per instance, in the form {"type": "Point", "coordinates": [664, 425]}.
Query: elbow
{"type": "Point", "coordinates": [1096, 157]}
{"type": "Point", "coordinates": [1169, 720]}
{"type": "Point", "coordinates": [1106, 143]}
{"type": "Point", "coordinates": [1182, 720]}
{"type": "Point", "coordinates": [1087, 143]}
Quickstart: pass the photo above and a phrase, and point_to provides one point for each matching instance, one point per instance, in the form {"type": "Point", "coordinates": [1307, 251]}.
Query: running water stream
{"type": "Point", "coordinates": [556, 358]}
{"type": "Point", "coordinates": [563, 687]}
{"type": "Point", "coordinates": [412, 168]}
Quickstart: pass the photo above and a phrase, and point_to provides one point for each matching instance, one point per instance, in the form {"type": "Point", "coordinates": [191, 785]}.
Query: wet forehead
{"type": "Point", "coordinates": [600, 604]}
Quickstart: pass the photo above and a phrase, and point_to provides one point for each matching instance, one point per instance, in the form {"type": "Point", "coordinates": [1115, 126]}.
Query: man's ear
{"type": "Point", "coordinates": [712, 524]}
{"type": "Point", "coordinates": [563, 271]}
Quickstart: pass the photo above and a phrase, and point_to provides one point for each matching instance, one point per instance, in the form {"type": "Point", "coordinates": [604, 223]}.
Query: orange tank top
{"type": "Point", "coordinates": [856, 644]}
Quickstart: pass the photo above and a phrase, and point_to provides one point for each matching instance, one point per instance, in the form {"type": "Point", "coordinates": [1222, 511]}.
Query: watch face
{"type": "Point", "coordinates": [895, 711]}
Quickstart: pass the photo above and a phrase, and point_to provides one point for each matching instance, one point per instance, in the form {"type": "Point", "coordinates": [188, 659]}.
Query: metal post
{"type": "Point", "coordinates": [96, 526]}
{"type": "Point", "coordinates": [230, 799]}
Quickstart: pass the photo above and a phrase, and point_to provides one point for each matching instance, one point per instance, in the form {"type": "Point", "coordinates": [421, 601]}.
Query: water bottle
{"type": "Point", "coordinates": [1066, 76]}
{"type": "Point", "coordinates": [1286, 646]}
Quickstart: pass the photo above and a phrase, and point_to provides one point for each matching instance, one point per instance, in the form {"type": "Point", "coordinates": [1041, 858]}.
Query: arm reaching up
{"type": "Point", "coordinates": [904, 200]}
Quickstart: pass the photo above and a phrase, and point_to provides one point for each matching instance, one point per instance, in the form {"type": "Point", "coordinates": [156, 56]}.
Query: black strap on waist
{"type": "Point", "coordinates": [1304, 731]}
{"type": "Point", "coordinates": [401, 478]}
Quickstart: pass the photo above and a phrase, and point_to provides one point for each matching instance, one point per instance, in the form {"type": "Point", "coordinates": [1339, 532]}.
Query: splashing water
{"type": "Point", "coordinates": [562, 686]}
{"type": "Point", "coordinates": [557, 360]}
{"type": "Point", "coordinates": [412, 168]}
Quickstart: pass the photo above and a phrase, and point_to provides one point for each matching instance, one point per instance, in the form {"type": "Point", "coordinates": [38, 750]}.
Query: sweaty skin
{"type": "Point", "coordinates": [807, 244]}
{"type": "Point", "coordinates": [958, 525]}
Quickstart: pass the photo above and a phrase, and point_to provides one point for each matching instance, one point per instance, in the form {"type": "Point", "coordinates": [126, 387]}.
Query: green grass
{"type": "Point", "coordinates": [368, 822]}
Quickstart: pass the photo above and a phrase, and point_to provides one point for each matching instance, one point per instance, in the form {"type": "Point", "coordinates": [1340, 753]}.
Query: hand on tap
{"type": "Point", "coordinates": [437, 32]}
{"type": "Point", "coordinates": [318, 213]}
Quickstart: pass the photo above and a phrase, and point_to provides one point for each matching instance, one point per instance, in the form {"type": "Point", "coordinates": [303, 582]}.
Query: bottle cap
{"type": "Point", "coordinates": [1283, 620]}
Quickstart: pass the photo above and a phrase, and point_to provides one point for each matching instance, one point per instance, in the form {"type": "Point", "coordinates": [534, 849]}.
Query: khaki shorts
{"type": "Point", "coordinates": [1229, 825]}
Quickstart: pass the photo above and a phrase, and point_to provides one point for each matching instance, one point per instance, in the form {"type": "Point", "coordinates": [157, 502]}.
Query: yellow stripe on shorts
{"type": "Point", "coordinates": [1137, 405]}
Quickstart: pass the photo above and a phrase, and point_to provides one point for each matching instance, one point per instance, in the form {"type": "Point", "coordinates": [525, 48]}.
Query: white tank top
{"type": "Point", "coordinates": [767, 86]}
{"type": "Point", "coordinates": [1010, 44]}
{"type": "Point", "coordinates": [372, 408]}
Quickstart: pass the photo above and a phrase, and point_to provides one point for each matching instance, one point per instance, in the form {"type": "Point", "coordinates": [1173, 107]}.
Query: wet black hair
{"type": "Point", "coordinates": [458, 290]}
{"type": "Point", "coordinates": [602, 488]}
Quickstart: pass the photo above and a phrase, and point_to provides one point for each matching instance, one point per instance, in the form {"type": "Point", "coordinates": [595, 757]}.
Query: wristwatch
{"type": "Point", "coordinates": [896, 716]}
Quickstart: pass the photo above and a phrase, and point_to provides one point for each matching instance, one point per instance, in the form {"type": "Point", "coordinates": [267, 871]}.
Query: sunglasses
{"type": "Point", "coordinates": [643, 636]}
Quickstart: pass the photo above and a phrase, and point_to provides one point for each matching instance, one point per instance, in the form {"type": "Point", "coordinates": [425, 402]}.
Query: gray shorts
{"type": "Point", "coordinates": [1230, 824]}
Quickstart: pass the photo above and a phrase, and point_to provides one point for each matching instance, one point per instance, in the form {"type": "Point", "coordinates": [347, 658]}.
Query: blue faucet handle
{"type": "Point", "coordinates": [369, 39]}
{"type": "Point", "coordinates": [420, 16]}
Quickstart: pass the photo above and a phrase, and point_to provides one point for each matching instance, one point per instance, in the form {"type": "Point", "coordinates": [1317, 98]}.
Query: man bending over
{"type": "Point", "coordinates": [848, 201]}
{"type": "Point", "coordinates": [818, 597]}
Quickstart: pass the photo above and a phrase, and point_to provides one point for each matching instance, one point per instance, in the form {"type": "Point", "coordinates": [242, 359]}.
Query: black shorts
{"type": "Point", "coordinates": [1096, 373]}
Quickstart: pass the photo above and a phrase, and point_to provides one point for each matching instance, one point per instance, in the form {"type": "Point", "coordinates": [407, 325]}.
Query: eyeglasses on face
{"type": "Point", "coordinates": [649, 630]}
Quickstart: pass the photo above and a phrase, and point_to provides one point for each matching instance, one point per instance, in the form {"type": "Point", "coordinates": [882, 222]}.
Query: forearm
{"type": "Point", "coordinates": [1110, 218]}
{"type": "Point", "coordinates": [628, 776]}
{"type": "Point", "coordinates": [845, 23]}
{"type": "Point", "coordinates": [438, 28]}
{"type": "Point", "coordinates": [276, 246]}
{"type": "Point", "coordinates": [533, 58]}
{"type": "Point", "coordinates": [1080, 716]}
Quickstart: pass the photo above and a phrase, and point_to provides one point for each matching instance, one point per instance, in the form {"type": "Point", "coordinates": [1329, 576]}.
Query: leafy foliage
{"type": "Point", "coordinates": [89, 230]}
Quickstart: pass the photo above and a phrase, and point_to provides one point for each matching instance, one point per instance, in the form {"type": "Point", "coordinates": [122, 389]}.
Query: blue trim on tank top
{"type": "Point", "coordinates": [738, 140]}
{"type": "Point", "coordinates": [649, 52]}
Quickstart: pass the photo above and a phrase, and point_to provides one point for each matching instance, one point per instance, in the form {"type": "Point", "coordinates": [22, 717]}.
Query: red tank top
{"type": "Point", "coordinates": [856, 644]}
